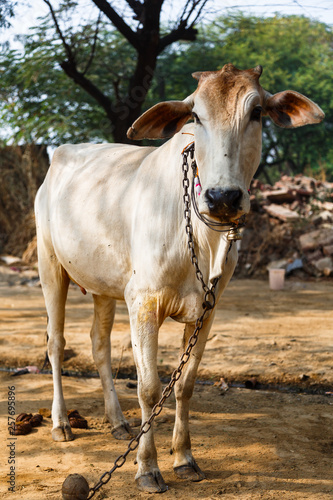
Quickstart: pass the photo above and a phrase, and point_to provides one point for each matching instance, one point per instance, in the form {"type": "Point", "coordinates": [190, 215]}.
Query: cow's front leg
{"type": "Point", "coordinates": [185, 466]}
{"type": "Point", "coordinates": [145, 323]}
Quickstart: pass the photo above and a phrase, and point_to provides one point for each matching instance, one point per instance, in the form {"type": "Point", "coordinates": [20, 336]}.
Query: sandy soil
{"type": "Point", "coordinates": [252, 444]}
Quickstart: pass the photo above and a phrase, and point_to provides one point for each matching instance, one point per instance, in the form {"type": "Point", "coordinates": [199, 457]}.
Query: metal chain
{"type": "Point", "coordinates": [231, 228]}
{"type": "Point", "coordinates": [146, 426]}
{"type": "Point", "coordinates": [208, 304]}
{"type": "Point", "coordinates": [209, 292]}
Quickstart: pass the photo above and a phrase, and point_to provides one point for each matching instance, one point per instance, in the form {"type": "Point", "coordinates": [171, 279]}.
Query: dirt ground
{"type": "Point", "coordinates": [252, 444]}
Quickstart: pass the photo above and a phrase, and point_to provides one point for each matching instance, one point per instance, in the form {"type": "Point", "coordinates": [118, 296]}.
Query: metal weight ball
{"type": "Point", "coordinates": [75, 487]}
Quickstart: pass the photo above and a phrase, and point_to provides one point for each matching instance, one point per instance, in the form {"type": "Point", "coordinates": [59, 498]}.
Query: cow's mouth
{"type": "Point", "coordinates": [230, 216]}
{"type": "Point", "coordinates": [224, 216]}
{"type": "Point", "coordinates": [222, 222]}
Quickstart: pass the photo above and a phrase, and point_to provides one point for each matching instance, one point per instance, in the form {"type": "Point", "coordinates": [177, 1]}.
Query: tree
{"type": "Point", "coordinates": [295, 52]}
{"type": "Point", "coordinates": [6, 12]}
{"type": "Point", "coordinates": [42, 104]}
{"type": "Point", "coordinates": [75, 50]}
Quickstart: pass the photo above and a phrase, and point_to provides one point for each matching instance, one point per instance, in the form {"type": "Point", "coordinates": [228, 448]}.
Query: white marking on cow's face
{"type": "Point", "coordinates": [227, 115]}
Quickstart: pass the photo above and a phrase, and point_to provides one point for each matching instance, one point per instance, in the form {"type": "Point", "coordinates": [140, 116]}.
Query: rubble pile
{"type": "Point", "coordinates": [290, 227]}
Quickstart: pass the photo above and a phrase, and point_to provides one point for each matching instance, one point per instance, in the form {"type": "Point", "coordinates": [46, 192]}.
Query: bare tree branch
{"type": "Point", "coordinates": [70, 68]}
{"type": "Point", "coordinates": [115, 84]}
{"type": "Point", "coordinates": [199, 12]}
{"type": "Point", "coordinates": [183, 31]}
{"type": "Point", "coordinates": [67, 47]}
{"type": "Point", "coordinates": [138, 9]}
{"type": "Point", "coordinates": [79, 78]}
{"type": "Point", "coordinates": [180, 33]}
{"type": "Point", "coordinates": [118, 22]}
{"type": "Point", "coordinates": [122, 111]}
{"type": "Point", "coordinates": [190, 7]}
{"type": "Point", "coordinates": [93, 48]}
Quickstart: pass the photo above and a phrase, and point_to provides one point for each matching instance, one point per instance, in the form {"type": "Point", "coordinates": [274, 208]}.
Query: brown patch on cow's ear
{"type": "Point", "coordinates": [161, 121]}
{"type": "Point", "coordinates": [289, 109]}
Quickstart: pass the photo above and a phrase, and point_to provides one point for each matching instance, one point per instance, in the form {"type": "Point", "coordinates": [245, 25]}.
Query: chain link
{"type": "Point", "coordinates": [208, 304]}
{"type": "Point", "coordinates": [209, 292]}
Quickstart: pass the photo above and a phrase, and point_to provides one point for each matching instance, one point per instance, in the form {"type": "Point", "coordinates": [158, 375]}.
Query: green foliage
{"type": "Point", "coordinates": [40, 103]}
{"type": "Point", "coordinates": [7, 8]}
{"type": "Point", "coordinates": [295, 52]}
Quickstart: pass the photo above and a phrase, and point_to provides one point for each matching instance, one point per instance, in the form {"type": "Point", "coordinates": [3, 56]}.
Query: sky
{"type": "Point", "coordinates": [321, 10]}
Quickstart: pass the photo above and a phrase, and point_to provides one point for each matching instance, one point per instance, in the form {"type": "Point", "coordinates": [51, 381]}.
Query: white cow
{"type": "Point", "coordinates": [111, 217]}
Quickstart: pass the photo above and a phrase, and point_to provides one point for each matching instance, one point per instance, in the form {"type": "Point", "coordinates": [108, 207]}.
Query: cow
{"type": "Point", "coordinates": [111, 218]}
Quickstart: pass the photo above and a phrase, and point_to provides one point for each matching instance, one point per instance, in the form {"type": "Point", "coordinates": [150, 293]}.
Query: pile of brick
{"type": "Point", "coordinates": [290, 226]}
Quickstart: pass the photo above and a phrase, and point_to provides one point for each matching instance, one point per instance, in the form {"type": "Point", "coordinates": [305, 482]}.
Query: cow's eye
{"type": "Point", "coordinates": [256, 114]}
{"type": "Point", "coordinates": [196, 118]}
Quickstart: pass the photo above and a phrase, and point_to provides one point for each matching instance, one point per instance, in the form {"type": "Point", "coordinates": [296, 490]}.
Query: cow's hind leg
{"type": "Point", "coordinates": [55, 281]}
{"type": "Point", "coordinates": [185, 466]}
{"type": "Point", "coordinates": [145, 324]}
{"type": "Point", "coordinates": [104, 310]}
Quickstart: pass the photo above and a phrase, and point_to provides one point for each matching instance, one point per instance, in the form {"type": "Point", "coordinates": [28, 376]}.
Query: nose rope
{"type": "Point", "coordinates": [232, 228]}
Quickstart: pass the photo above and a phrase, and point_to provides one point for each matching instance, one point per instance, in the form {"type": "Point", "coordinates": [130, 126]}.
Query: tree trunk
{"type": "Point", "coordinates": [148, 43]}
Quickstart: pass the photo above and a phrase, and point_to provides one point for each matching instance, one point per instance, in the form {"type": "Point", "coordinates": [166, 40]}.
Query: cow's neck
{"type": "Point", "coordinates": [213, 248]}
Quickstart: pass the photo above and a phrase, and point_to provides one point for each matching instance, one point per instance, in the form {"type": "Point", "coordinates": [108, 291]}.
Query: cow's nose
{"type": "Point", "coordinates": [221, 200]}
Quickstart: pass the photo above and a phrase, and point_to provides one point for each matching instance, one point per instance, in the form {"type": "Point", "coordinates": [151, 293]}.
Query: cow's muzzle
{"type": "Point", "coordinates": [223, 203]}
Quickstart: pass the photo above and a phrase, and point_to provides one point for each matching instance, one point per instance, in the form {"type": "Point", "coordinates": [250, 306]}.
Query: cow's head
{"type": "Point", "coordinates": [227, 108]}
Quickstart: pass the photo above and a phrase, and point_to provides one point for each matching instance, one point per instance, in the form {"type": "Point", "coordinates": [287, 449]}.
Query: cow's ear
{"type": "Point", "coordinates": [162, 120]}
{"type": "Point", "coordinates": [290, 109]}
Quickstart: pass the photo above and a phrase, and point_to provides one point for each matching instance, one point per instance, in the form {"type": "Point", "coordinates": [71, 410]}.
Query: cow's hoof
{"type": "Point", "coordinates": [191, 472]}
{"type": "Point", "coordinates": [63, 433]}
{"type": "Point", "coordinates": [122, 432]}
{"type": "Point", "coordinates": [151, 483]}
